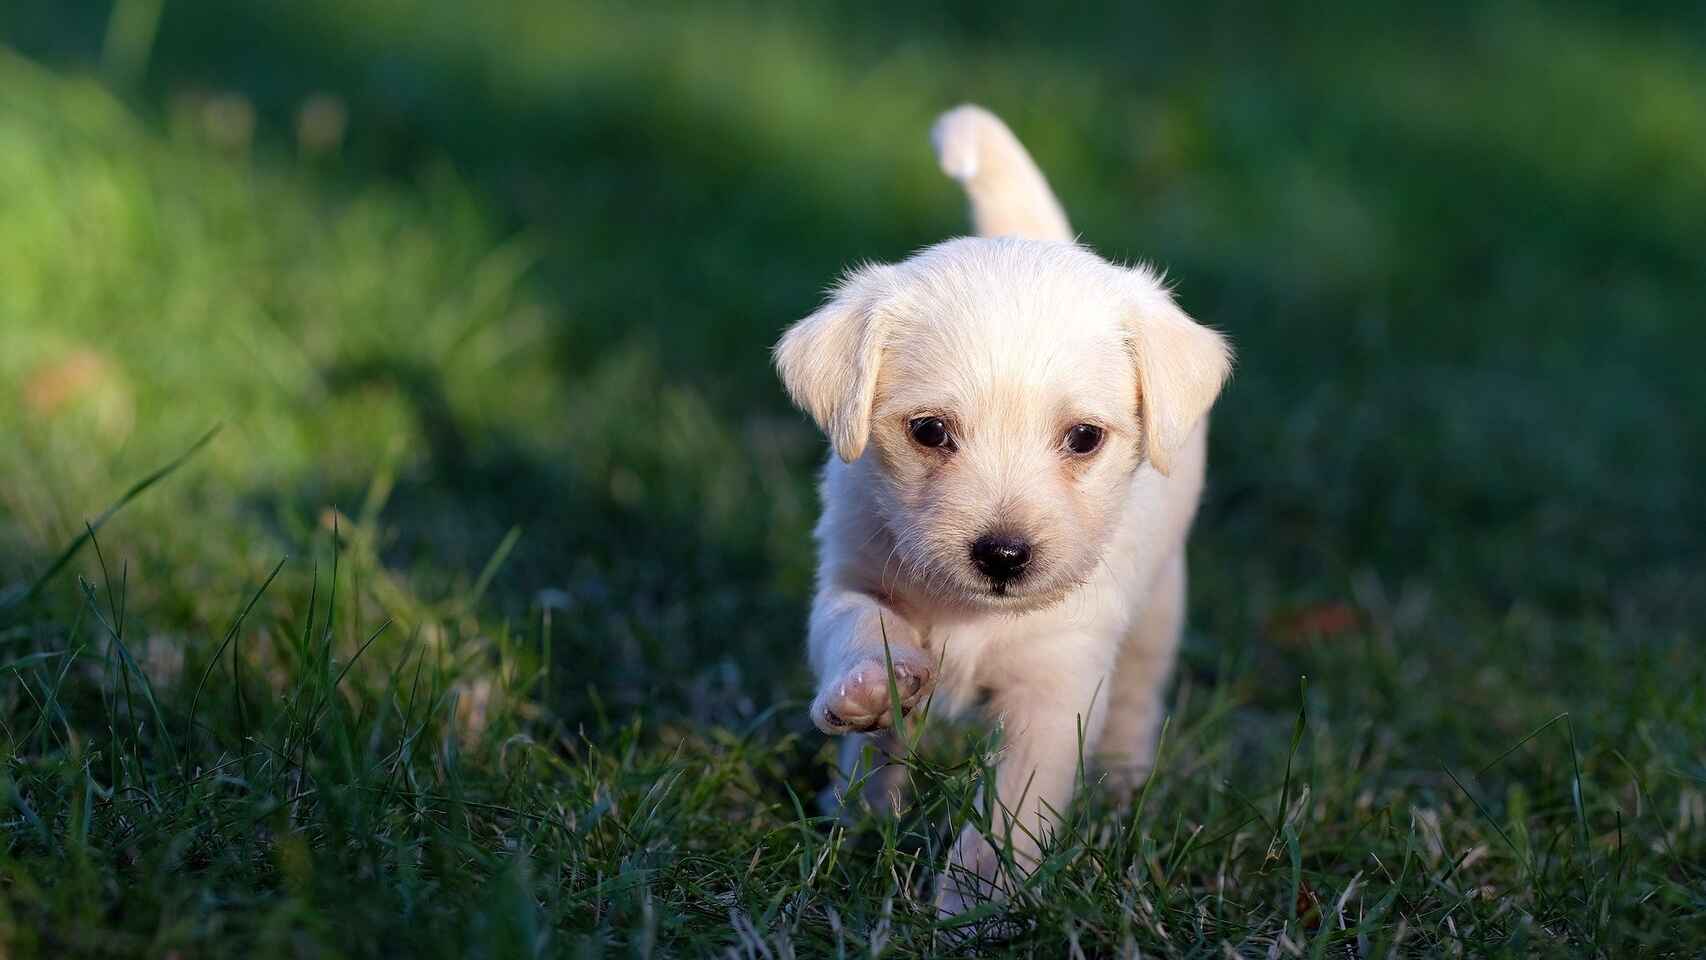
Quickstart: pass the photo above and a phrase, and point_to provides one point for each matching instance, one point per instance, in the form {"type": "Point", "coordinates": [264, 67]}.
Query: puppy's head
{"type": "Point", "coordinates": [1000, 393]}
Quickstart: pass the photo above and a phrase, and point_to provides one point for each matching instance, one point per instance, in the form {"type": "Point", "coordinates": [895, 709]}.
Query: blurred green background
{"type": "Point", "coordinates": [445, 271]}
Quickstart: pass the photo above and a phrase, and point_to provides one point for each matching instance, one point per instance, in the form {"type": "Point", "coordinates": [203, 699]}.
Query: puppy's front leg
{"type": "Point", "coordinates": [1043, 716]}
{"type": "Point", "coordinates": [847, 638]}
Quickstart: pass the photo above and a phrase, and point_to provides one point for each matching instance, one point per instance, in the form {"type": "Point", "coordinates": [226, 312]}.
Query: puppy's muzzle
{"type": "Point", "coordinates": [1001, 558]}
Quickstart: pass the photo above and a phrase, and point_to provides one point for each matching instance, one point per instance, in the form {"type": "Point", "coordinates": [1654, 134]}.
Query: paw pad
{"type": "Point", "coordinates": [857, 700]}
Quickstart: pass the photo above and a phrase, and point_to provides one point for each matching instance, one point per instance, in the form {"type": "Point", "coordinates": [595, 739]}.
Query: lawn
{"type": "Point", "coordinates": [453, 600]}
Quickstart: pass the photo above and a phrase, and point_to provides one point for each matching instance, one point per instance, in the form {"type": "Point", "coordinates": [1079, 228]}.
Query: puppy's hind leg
{"type": "Point", "coordinates": [1140, 681]}
{"type": "Point", "coordinates": [875, 764]}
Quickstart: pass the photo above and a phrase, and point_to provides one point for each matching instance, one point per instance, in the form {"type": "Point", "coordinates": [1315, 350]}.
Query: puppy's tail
{"type": "Point", "coordinates": [1009, 196]}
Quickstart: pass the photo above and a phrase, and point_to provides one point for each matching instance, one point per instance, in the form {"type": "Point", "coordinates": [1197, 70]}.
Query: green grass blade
{"type": "Point", "coordinates": [230, 635]}
{"type": "Point", "coordinates": [90, 528]}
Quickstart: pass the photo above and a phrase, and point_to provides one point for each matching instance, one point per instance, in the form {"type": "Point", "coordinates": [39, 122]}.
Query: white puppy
{"type": "Point", "coordinates": [1018, 430]}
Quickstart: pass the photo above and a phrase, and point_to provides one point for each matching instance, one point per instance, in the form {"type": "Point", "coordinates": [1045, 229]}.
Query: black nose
{"type": "Point", "coordinates": [1000, 558]}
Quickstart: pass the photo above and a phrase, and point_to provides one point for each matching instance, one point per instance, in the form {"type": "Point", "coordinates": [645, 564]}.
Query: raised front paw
{"type": "Point", "coordinates": [857, 699]}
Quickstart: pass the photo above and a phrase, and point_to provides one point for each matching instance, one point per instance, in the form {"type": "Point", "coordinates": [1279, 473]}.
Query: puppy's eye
{"type": "Point", "coordinates": [930, 432]}
{"type": "Point", "coordinates": [1083, 439]}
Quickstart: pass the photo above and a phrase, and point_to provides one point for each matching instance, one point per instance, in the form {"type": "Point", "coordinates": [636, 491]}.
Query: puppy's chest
{"type": "Point", "coordinates": [978, 659]}
{"type": "Point", "coordinates": [958, 651]}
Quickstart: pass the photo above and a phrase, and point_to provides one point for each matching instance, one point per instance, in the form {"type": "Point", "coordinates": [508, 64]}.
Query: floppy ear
{"type": "Point", "coordinates": [1181, 366]}
{"type": "Point", "coordinates": [829, 360]}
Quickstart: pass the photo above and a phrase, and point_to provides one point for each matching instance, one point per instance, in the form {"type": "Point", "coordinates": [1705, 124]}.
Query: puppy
{"type": "Point", "coordinates": [1018, 430]}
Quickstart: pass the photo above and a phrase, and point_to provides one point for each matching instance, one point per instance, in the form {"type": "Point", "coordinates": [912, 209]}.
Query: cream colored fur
{"type": "Point", "coordinates": [1012, 338]}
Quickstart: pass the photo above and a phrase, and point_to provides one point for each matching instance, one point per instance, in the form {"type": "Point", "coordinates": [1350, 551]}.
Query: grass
{"type": "Point", "coordinates": [476, 628]}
